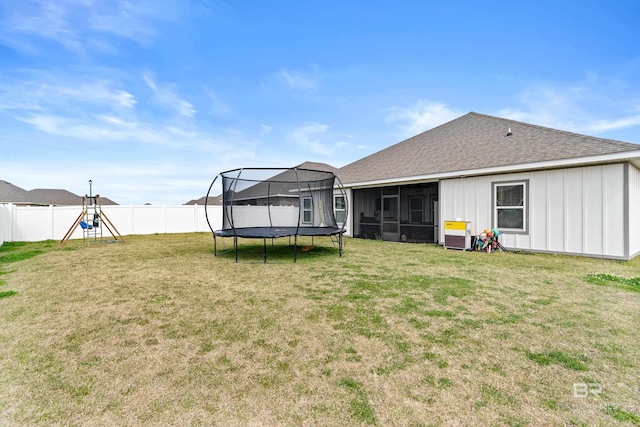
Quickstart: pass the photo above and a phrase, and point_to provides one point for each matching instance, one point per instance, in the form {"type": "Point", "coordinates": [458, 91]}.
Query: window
{"type": "Point", "coordinates": [416, 211]}
{"type": "Point", "coordinates": [510, 210]}
{"type": "Point", "coordinates": [340, 209]}
{"type": "Point", "coordinates": [307, 210]}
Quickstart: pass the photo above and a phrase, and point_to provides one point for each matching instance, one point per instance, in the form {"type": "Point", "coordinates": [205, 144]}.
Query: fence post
{"type": "Point", "coordinates": [3, 219]}
{"type": "Point", "coordinates": [131, 219]}
{"type": "Point", "coordinates": [14, 222]}
{"type": "Point", "coordinates": [51, 222]}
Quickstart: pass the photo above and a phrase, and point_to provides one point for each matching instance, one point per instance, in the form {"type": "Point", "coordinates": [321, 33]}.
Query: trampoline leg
{"type": "Point", "coordinates": [265, 250]}
{"type": "Point", "coordinates": [235, 246]}
{"type": "Point", "coordinates": [215, 247]}
{"type": "Point", "coordinates": [340, 244]}
{"type": "Point", "coordinates": [295, 247]}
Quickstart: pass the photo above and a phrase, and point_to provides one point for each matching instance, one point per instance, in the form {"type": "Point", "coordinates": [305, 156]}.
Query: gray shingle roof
{"type": "Point", "coordinates": [62, 197]}
{"type": "Point", "coordinates": [10, 193]}
{"type": "Point", "coordinates": [55, 197]}
{"type": "Point", "coordinates": [476, 141]}
{"type": "Point", "coordinates": [314, 166]}
{"type": "Point", "coordinates": [213, 200]}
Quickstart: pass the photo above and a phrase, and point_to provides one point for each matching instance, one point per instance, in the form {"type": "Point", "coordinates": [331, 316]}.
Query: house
{"type": "Point", "coordinates": [547, 190]}
{"type": "Point", "coordinates": [10, 193]}
{"type": "Point", "coordinates": [213, 201]}
{"type": "Point", "coordinates": [249, 195]}
{"type": "Point", "coordinates": [277, 197]}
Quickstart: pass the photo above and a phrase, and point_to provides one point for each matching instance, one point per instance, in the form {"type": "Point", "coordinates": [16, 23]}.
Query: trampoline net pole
{"type": "Point", "coordinates": [269, 203]}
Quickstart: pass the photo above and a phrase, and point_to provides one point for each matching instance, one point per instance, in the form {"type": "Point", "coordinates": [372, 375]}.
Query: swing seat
{"type": "Point", "coordinates": [85, 226]}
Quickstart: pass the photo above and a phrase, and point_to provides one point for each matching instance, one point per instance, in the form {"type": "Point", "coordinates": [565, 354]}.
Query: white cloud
{"type": "Point", "coordinates": [584, 107]}
{"type": "Point", "coordinates": [614, 124]}
{"type": "Point", "coordinates": [81, 26]}
{"type": "Point", "coordinates": [98, 92]}
{"type": "Point", "coordinates": [299, 80]}
{"type": "Point", "coordinates": [40, 92]}
{"type": "Point", "coordinates": [422, 116]}
{"type": "Point", "coordinates": [265, 129]}
{"type": "Point", "coordinates": [317, 138]}
{"type": "Point", "coordinates": [217, 106]}
{"type": "Point", "coordinates": [165, 95]}
{"type": "Point", "coordinates": [156, 182]}
{"type": "Point", "coordinates": [308, 136]}
{"type": "Point", "coordinates": [108, 130]}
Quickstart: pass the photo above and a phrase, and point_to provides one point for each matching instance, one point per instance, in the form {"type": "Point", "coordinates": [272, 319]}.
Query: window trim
{"type": "Point", "coordinates": [336, 210]}
{"type": "Point", "coordinates": [309, 209]}
{"type": "Point", "coordinates": [525, 207]}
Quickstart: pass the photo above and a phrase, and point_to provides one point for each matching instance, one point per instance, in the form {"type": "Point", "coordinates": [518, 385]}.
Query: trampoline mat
{"type": "Point", "coordinates": [276, 232]}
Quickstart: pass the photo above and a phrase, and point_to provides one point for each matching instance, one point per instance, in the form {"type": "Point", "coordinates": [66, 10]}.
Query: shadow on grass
{"type": "Point", "coordinates": [277, 253]}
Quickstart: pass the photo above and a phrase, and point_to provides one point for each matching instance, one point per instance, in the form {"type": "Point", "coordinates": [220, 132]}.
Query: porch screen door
{"type": "Point", "coordinates": [390, 217]}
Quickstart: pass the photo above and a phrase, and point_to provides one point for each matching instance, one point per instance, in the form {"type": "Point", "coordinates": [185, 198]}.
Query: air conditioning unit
{"type": "Point", "coordinates": [457, 235]}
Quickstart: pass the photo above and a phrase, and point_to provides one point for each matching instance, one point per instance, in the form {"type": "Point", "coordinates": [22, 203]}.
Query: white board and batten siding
{"type": "Point", "coordinates": [634, 211]}
{"type": "Point", "coordinates": [349, 215]}
{"type": "Point", "coordinates": [578, 210]}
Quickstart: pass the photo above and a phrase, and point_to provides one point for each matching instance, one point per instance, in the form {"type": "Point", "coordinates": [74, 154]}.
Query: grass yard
{"type": "Point", "coordinates": [158, 331]}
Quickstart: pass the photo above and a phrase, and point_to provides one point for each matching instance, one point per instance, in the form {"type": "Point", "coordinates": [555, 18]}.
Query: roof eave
{"type": "Point", "coordinates": [632, 156]}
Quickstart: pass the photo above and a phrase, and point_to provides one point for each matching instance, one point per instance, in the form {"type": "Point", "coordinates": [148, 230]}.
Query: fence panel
{"type": "Point", "coordinates": [36, 223]}
{"type": "Point", "coordinates": [6, 223]}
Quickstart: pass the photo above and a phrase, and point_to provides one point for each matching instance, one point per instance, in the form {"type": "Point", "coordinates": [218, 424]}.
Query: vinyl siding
{"type": "Point", "coordinates": [576, 210]}
{"type": "Point", "coordinates": [634, 210]}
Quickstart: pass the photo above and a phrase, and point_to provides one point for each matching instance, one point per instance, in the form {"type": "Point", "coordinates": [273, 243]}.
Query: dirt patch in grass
{"type": "Point", "coordinates": [159, 331]}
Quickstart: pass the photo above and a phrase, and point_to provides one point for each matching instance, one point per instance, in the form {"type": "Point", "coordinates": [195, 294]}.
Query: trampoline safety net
{"type": "Point", "coordinates": [271, 203]}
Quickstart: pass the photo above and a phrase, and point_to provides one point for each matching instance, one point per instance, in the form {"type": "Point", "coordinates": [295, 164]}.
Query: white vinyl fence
{"type": "Point", "coordinates": [36, 223]}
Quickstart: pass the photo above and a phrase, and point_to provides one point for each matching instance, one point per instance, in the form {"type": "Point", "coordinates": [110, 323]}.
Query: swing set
{"type": "Point", "coordinates": [91, 220]}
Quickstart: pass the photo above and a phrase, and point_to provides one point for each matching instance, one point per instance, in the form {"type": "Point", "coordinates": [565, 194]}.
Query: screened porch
{"type": "Point", "coordinates": [399, 213]}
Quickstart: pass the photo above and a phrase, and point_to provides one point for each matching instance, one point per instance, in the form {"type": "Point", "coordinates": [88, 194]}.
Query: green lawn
{"type": "Point", "coordinates": [158, 331]}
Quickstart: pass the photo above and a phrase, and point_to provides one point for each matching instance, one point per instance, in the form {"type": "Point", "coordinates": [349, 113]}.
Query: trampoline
{"type": "Point", "coordinates": [270, 203]}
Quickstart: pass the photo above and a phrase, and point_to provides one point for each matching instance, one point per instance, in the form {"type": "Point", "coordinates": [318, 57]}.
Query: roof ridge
{"type": "Point", "coordinates": [475, 141]}
{"type": "Point", "coordinates": [407, 139]}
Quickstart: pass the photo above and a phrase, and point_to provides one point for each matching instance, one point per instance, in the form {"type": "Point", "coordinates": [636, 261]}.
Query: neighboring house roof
{"type": "Point", "coordinates": [10, 193]}
{"type": "Point", "coordinates": [106, 201]}
{"type": "Point", "coordinates": [477, 141]}
{"type": "Point", "coordinates": [55, 197]}
{"type": "Point", "coordinates": [285, 181]}
{"type": "Point", "coordinates": [215, 200]}
{"type": "Point", "coordinates": [316, 166]}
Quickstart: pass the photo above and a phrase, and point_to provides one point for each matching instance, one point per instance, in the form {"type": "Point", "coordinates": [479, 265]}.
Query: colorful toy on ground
{"type": "Point", "coordinates": [488, 241]}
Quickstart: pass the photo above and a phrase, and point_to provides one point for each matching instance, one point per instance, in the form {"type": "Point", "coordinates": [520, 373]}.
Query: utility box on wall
{"type": "Point", "coordinates": [457, 235]}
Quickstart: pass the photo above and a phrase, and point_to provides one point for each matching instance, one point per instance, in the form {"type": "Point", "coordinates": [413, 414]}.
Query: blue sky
{"type": "Point", "coordinates": [151, 99]}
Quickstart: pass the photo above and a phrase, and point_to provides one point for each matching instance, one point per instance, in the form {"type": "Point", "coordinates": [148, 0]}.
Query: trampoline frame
{"type": "Point", "coordinates": [272, 232]}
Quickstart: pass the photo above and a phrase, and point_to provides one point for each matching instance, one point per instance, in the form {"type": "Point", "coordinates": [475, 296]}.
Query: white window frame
{"type": "Point", "coordinates": [309, 209]}
{"type": "Point", "coordinates": [343, 209]}
{"type": "Point", "coordinates": [524, 207]}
